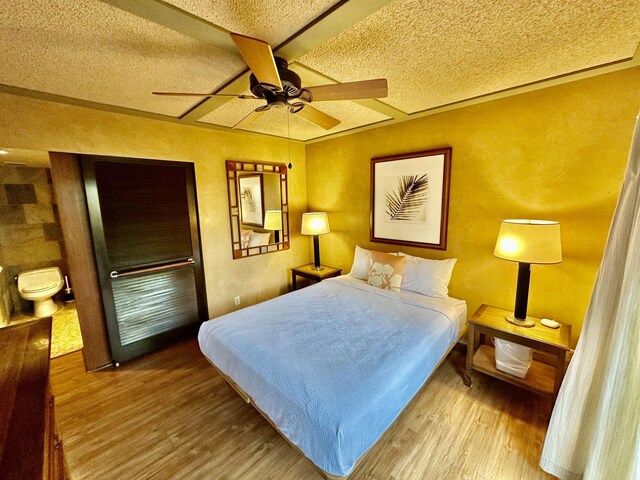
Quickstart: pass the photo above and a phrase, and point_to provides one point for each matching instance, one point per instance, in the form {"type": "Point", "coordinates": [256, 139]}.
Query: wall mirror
{"type": "Point", "coordinates": [258, 207]}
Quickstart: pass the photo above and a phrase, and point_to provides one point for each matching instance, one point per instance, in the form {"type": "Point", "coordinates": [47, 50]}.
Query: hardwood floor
{"type": "Point", "coordinates": [169, 415]}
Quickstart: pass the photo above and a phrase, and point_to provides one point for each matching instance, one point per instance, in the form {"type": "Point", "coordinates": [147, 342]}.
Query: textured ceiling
{"type": "Point", "coordinates": [93, 51]}
{"type": "Point", "coordinates": [114, 53]}
{"type": "Point", "coordinates": [256, 18]}
{"type": "Point", "coordinates": [435, 52]}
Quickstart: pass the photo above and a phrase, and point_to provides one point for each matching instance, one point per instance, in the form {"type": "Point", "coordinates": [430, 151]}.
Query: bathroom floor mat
{"type": "Point", "coordinates": [65, 334]}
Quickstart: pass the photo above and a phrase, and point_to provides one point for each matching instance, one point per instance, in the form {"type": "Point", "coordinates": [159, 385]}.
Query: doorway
{"type": "Point", "coordinates": [144, 224]}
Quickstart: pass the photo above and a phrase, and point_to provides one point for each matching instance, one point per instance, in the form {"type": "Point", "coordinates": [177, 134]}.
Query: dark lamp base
{"type": "Point", "coordinates": [527, 322]}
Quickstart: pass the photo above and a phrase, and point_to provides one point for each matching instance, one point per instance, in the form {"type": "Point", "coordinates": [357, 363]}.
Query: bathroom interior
{"type": "Point", "coordinates": [33, 263]}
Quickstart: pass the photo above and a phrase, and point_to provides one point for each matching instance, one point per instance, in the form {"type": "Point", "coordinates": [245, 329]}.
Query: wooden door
{"type": "Point", "coordinates": [144, 223]}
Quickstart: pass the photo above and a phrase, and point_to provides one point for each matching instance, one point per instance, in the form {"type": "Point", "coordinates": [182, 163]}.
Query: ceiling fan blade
{"type": "Point", "coordinates": [350, 90]}
{"type": "Point", "coordinates": [252, 117]}
{"type": "Point", "coordinates": [317, 117]}
{"type": "Point", "coordinates": [259, 57]}
{"type": "Point", "coordinates": [195, 94]}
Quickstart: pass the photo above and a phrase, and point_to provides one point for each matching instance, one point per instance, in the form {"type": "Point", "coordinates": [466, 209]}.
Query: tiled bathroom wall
{"type": "Point", "coordinates": [30, 234]}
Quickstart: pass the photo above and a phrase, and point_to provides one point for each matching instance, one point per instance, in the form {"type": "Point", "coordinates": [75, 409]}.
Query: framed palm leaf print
{"type": "Point", "coordinates": [251, 199]}
{"type": "Point", "coordinates": [410, 198]}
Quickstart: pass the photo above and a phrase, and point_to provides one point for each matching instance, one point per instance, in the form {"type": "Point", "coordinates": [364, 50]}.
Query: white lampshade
{"type": "Point", "coordinates": [529, 241]}
{"type": "Point", "coordinates": [273, 220]}
{"type": "Point", "coordinates": [315, 223]}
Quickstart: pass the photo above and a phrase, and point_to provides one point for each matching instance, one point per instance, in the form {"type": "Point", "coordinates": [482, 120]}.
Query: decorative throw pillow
{"type": "Point", "coordinates": [361, 263]}
{"type": "Point", "coordinates": [386, 271]}
{"type": "Point", "coordinates": [259, 239]}
{"type": "Point", "coordinates": [426, 276]}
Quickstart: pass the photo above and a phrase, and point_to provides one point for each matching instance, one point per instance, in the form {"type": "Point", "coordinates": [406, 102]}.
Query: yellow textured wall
{"type": "Point", "coordinates": [41, 125]}
{"type": "Point", "coordinates": [557, 153]}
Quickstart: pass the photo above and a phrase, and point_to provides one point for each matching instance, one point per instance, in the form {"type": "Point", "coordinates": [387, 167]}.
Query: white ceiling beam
{"type": "Point", "coordinates": [178, 20]}
{"type": "Point", "coordinates": [51, 97]}
{"type": "Point", "coordinates": [195, 27]}
{"type": "Point", "coordinates": [336, 20]}
{"type": "Point", "coordinates": [328, 25]}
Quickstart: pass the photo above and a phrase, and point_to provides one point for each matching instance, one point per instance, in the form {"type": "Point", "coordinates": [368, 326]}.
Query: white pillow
{"type": "Point", "coordinates": [361, 264]}
{"type": "Point", "coordinates": [426, 276]}
{"type": "Point", "coordinates": [259, 239]}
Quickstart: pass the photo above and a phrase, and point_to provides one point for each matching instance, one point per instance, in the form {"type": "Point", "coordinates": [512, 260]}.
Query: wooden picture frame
{"type": "Point", "coordinates": [410, 198]}
{"type": "Point", "coordinates": [250, 189]}
{"type": "Point", "coordinates": [275, 195]}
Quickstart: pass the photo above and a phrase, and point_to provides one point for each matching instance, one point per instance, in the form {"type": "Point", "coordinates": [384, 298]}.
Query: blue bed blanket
{"type": "Point", "coordinates": [334, 364]}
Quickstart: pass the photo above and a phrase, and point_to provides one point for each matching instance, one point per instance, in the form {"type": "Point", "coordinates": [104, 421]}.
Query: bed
{"type": "Point", "coordinates": [332, 366]}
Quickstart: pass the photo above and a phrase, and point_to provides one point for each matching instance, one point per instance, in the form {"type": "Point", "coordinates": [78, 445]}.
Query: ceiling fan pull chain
{"type": "Point", "coordinates": [289, 135]}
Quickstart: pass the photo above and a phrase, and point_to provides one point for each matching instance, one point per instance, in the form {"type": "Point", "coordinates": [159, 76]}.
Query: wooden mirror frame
{"type": "Point", "coordinates": [237, 169]}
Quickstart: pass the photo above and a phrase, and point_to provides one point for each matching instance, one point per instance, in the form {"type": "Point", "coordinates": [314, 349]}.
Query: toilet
{"type": "Point", "coordinates": [39, 286]}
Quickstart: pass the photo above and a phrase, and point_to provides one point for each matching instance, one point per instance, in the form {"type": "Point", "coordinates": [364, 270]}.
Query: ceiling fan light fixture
{"type": "Point", "coordinates": [295, 107]}
{"type": "Point", "coordinates": [305, 95]}
{"type": "Point", "coordinates": [277, 100]}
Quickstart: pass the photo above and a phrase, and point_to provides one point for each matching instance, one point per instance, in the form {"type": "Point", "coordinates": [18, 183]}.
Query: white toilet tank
{"type": "Point", "coordinates": [40, 280]}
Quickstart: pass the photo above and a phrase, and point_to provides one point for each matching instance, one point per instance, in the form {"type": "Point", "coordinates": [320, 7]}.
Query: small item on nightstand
{"type": "Point", "coordinates": [512, 358]}
{"type": "Point", "coordinates": [547, 322]}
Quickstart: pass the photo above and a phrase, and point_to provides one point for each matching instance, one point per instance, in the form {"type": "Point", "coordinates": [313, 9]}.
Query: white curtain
{"type": "Point", "coordinates": [594, 431]}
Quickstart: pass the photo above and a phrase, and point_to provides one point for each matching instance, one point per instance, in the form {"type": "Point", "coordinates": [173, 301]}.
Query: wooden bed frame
{"type": "Point", "coordinates": [247, 398]}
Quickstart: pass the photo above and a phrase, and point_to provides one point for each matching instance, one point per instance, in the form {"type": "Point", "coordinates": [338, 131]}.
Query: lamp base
{"type": "Point", "coordinates": [318, 268]}
{"type": "Point", "coordinates": [527, 322]}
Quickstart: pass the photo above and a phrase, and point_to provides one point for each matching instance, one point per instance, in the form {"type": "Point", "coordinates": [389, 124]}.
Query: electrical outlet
{"type": "Point", "coordinates": [236, 301]}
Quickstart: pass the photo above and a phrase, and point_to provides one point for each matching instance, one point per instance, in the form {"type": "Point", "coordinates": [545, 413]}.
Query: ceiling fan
{"type": "Point", "coordinates": [272, 81]}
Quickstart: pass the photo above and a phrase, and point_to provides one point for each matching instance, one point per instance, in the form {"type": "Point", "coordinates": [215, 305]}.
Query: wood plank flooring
{"type": "Point", "coordinates": [169, 415]}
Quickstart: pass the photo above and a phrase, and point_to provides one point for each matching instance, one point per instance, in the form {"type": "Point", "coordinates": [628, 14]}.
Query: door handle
{"type": "Point", "coordinates": [157, 268]}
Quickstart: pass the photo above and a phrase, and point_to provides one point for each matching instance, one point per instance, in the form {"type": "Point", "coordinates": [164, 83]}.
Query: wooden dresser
{"type": "Point", "coordinates": [30, 445]}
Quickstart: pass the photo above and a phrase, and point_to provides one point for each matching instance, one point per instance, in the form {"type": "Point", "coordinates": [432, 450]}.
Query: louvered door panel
{"type": "Point", "coordinates": [145, 214]}
{"type": "Point", "coordinates": [153, 303]}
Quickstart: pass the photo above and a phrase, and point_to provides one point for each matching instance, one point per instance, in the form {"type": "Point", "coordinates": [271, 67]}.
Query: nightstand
{"type": "Point", "coordinates": [542, 378]}
{"type": "Point", "coordinates": [310, 273]}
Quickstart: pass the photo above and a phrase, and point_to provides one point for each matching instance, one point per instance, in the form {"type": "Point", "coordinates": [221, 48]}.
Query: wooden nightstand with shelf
{"type": "Point", "coordinates": [310, 273]}
{"type": "Point", "coordinates": [541, 378]}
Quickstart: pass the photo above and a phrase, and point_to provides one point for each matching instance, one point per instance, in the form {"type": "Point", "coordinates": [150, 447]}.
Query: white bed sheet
{"type": "Point", "coordinates": [334, 364]}
{"type": "Point", "coordinates": [458, 306]}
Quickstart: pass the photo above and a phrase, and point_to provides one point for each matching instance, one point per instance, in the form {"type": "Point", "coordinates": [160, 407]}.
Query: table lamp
{"type": "Point", "coordinates": [527, 242]}
{"type": "Point", "coordinates": [273, 221]}
{"type": "Point", "coordinates": [315, 223]}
